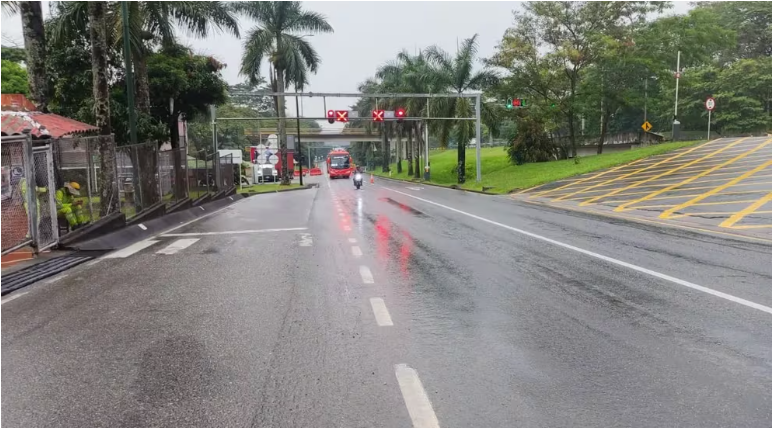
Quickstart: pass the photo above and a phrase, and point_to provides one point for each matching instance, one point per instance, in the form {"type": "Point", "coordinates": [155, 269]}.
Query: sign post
{"type": "Point", "coordinates": [710, 104]}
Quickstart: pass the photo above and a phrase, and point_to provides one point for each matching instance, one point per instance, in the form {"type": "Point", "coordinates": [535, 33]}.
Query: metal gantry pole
{"type": "Point", "coordinates": [298, 150]}
{"type": "Point", "coordinates": [478, 138]}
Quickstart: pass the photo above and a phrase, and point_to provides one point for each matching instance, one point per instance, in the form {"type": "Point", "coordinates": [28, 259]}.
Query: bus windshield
{"type": "Point", "coordinates": [340, 162]}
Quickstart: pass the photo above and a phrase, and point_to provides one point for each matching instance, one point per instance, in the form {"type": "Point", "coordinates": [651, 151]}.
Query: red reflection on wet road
{"type": "Point", "coordinates": [383, 238]}
{"type": "Point", "coordinates": [407, 243]}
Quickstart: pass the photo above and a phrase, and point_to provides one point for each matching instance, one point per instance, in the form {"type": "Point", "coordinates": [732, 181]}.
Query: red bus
{"type": "Point", "coordinates": [339, 164]}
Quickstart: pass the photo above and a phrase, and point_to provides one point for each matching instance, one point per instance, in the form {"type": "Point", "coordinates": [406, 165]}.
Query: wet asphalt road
{"type": "Point", "coordinates": [240, 326]}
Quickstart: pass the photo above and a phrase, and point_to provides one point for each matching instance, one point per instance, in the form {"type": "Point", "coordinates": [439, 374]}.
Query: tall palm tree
{"type": "Point", "coordinates": [35, 47]}
{"type": "Point", "coordinates": [99, 56]}
{"type": "Point", "coordinates": [10, 8]}
{"type": "Point", "coordinates": [413, 74]}
{"type": "Point", "coordinates": [457, 74]}
{"type": "Point", "coordinates": [276, 38]}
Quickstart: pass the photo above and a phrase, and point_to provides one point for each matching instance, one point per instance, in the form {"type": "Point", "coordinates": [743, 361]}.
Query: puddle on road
{"type": "Point", "coordinates": [404, 207]}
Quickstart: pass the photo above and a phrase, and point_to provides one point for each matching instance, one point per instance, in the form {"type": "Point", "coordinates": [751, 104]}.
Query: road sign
{"type": "Point", "coordinates": [710, 103]}
{"type": "Point", "coordinates": [342, 115]}
{"type": "Point", "coordinates": [646, 126]}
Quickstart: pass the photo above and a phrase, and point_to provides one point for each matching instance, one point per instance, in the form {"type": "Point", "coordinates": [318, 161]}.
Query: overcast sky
{"type": "Point", "coordinates": [366, 35]}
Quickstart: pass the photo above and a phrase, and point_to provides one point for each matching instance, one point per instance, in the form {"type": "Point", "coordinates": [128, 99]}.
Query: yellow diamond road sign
{"type": "Point", "coordinates": [646, 126]}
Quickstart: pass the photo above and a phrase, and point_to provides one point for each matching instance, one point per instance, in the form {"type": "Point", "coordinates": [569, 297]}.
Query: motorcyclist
{"type": "Point", "coordinates": [358, 170]}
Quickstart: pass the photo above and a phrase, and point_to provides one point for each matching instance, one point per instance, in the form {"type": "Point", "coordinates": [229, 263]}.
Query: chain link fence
{"type": "Point", "coordinates": [28, 213]}
{"type": "Point", "coordinates": [145, 175]}
{"type": "Point", "coordinates": [201, 175]}
{"type": "Point", "coordinates": [229, 177]}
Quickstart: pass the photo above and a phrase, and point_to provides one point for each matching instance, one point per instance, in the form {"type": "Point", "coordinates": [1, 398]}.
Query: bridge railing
{"type": "Point", "coordinates": [306, 131]}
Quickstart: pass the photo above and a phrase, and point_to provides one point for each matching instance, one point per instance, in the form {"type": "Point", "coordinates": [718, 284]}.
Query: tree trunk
{"type": "Point", "coordinates": [399, 131]}
{"type": "Point", "coordinates": [107, 176]}
{"type": "Point", "coordinates": [281, 133]}
{"type": "Point", "coordinates": [603, 130]}
{"type": "Point", "coordinates": [571, 120]}
{"type": "Point", "coordinates": [461, 160]}
{"type": "Point", "coordinates": [385, 149]}
{"type": "Point", "coordinates": [143, 93]}
{"type": "Point", "coordinates": [148, 156]}
{"type": "Point", "coordinates": [35, 45]}
{"type": "Point", "coordinates": [410, 153]}
{"type": "Point", "coordinates": [418, 146]}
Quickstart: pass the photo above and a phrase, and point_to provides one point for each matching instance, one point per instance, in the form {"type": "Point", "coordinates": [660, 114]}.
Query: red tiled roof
{"type": "Point", "coordinates": [17, 103]}
{"type": "Point", "coordinates": [42, 124]}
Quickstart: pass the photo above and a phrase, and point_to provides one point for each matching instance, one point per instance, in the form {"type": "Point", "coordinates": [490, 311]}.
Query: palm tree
{"type": "Point", "coordinates": [457, 74]}
{"type": "Point", "coordinates": [275, 37]}
{"type": "Point", "coordinates": [35, 47]}
{"type": "Point", "coordinates": [99, 51]}
{"type": "Point", "coordinates": [10, 8]}
{"type": "Point", "coordinates": [412, 74]}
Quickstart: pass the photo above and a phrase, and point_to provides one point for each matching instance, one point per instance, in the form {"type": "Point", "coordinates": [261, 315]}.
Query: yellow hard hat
{"type": "Point", "coordinates": [73, 187]}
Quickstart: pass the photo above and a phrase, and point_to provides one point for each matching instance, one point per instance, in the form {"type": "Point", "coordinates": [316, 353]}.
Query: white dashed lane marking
{"type": "Point", "coordinates": [366, 275]}
{"type": "Point", "coordinates": [381, 312]}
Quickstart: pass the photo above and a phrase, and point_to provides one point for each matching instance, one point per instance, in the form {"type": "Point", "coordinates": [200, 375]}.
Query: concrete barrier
{"type": "Point", "coordinates": [141, 231]}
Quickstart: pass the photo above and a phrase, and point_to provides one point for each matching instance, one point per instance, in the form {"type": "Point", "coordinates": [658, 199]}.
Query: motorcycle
{"type": "Point", "coordinates": [358, 180]}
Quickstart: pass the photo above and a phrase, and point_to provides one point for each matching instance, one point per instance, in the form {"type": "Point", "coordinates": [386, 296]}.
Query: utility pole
{"type": "Point", "coordinates": [130, 76]}
{"type": "Point", "coordinates": [676, 123]}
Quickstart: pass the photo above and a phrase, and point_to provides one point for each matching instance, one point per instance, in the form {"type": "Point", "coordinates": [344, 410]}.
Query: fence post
{"type": "Point", "coordinates": [32, 196]}
{"type": "Point", "coordinates": [52, 206]}
{"type": "Point", "coordinates": [157, 154]}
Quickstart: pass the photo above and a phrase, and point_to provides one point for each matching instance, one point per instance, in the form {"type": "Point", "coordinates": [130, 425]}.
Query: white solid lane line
{"type": "Point", "coordinates": [647, 271]}
{"type": "Point", "coordinates": [366, 275]}
{"type": "Point", "coordinates": [131, 250]}
{"type": "Point", "coordinates": [352, 240]}
{"type": "Point", "coordinates": [12, 297]}
{"type": "Point", "coordinates": [415, 398]}
{"type": "Point", "coordinates": [381, 312]}
{"type": "Point", "coordinates": [244, 231]}
{"type": "Point", "coordinates": [357, 251]}
{"type": "Point", "coordinates": [55, 279]}
{"type": "Point", "coordinates": [177, 246]}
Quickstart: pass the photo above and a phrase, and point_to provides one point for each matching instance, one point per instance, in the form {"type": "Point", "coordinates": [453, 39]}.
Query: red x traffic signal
{"type": "Point", "coordinates": [378, 115]}
{"type": "Point", "coordinates": [342, 115]}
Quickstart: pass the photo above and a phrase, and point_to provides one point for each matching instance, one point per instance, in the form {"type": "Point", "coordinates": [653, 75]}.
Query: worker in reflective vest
{"type": "Point", "coordinates": [39, 190]}
{"type": "Point", "coordinates": [68, 207]}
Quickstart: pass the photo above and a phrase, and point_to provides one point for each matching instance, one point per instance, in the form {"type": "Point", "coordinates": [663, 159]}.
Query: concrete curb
{"type": "Point", "coordinates": [452, 187]}
{"type": "Point", "coordinates": [131, 234]}
{"type": "Point", "coordinates": [303, 188]}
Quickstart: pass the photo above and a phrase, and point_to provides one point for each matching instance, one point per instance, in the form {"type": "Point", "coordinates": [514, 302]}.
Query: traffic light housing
{"type": "Point", "coordinates": [400, 114]}
{"type": "Point", "coordinates": [331, 116]}
{"type": "Point", "coordinates": [516, 102]}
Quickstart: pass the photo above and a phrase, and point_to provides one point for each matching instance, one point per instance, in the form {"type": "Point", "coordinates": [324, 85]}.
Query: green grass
{"type": "Point", "coordinates": [258, 189]}
{"type": "Point", "coordinates": [503, 177]}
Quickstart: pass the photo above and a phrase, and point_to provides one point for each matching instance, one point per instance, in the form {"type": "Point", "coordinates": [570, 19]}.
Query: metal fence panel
{"type": "Point", "coordinates": [45, 184]}
{"type": "Point", "coordinates": [15, 223]}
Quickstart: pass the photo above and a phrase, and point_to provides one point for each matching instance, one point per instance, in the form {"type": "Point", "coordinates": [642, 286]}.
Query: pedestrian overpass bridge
{"type": "Point", "coordinates": [318, 135]}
